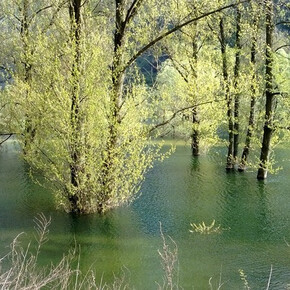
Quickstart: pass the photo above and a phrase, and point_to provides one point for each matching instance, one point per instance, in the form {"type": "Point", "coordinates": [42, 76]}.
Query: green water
{"type": "Point", "coordinates": [255, 217]}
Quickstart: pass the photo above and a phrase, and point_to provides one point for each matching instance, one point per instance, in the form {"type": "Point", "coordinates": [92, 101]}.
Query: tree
{"type": "Point", "coordinates": [228, 96]}
{"type": "Point", "coordinates": [87, 104]}
{"type": "Point", "coordinates": [255, 17]}
{"type": "Point", "coordinates": [236, 82]}
{"type": "Point", "coordinates": [188, 84]}
{"type": "Point", "coordinates": [269, 92]}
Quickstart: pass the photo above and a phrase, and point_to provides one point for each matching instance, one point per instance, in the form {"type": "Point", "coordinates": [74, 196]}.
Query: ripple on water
{"type": "Point", "coordinates": [255, 217]}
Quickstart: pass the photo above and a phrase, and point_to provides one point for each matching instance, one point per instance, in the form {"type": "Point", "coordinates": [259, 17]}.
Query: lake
{"type": "Point", "coordinates": [254, 217]}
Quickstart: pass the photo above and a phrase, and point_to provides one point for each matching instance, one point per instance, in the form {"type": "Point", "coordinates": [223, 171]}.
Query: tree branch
{"type": "Point", "coordinates": [283, 23]}
{"type": "Point", "coordinates": [182, 110]}
{"type": "Point", "coordinates": [42, 9]}
{"type": "Point", "coordinates": [54, 16]}
{"type": "Point", "coordinates": [7, 138]}
{"type": "Point", "coordinates": [96, 6]}
{"type": "Point", "coordinates": [12, 134]}
{"type": "Point", "coordinates": [132, 10]}
{"type": "Point", "coordinates": [84, 3]}
{"type": "Point", "coordinates": [177, 68]}
{"type": "Point", "coordinates": [174, 29]}
{"type": "Point", "coordinates": [6, 134]}
{"type": "Point", "coordinates": [282, 46]}
{"type": "Point", "coordinates": [17, 18]}
{"type": "Point", "coordinates": [283, 128]}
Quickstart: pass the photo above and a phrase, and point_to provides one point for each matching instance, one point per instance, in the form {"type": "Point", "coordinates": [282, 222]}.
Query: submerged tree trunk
{"type": "Point", "coordinates": [270, 97]}
{"type": "Point", "coordinates": [195, 133]}
{"type": "Point", "coordinates": [75, 16]}
{"type": "Point", "coordinates": [195, 136]}
{"type": "Point", "coordinates": [189, 75]}
{"type": "Point", "coordinates": [118, 77]}
{"type": "Point", "coordinates": [236, 84]}
{"type": "Point", "coordinates": [230, 164]}
{"type": "Point", "coordinates": [251, 122]}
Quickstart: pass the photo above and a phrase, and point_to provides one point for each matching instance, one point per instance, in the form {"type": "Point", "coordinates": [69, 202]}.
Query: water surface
{"type": "Point", "coordinates": [254, 216]}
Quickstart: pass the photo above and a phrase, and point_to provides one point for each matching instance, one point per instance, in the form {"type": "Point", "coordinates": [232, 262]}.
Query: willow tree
{"type": "Point", "coordinates": [188, 86]}
{"type": "Point", "coordinates": [88, 104]}
{"type": "Point", "coordinates": [22, 20]}
{"type": "Point", "coordinates": [228, 95]}
{"type": "Point", "coordinates": [269, 92]}
{"type": "Point", "coordinates": [76, 122]}
{"type": "Point", "coordinates": [237, 73]}
{"type": "Point", "coordinates": [237, 63]}
{"type": "Point", "coordinates": [275, 89]}
{"type": "Point", "coordinates": [132, 37]}
{"type": "Point", "coordinates": [182, 50]}
{"type": "Point", "coordinates": [255, 17]}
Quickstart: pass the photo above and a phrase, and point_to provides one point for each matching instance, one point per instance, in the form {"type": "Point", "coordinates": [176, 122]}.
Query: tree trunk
{"type": "Point", "coordinates": [195, 133]}
{"type": "Point", "coordinates": [195, 136]}
{"type": "Point", "coordinates": [236, 83]}
{"type": "Point", "coordinates": [189, 75]}
{"type": "Point", "coordinates": [230, 164]}
{"type": "Point", "coordinates": [75, 16]}
{"type": "Point", "coordinates": [251, 122]}
{"type": "Point", "coordinates": [118, 77]}
{"type": "Point", "coordinates": [270, 98]}
{"type": "Point", "coordinates": [27, 52]}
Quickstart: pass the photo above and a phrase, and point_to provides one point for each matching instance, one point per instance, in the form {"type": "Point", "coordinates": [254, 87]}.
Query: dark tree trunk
{"type": "Point", "coordinates": [195, 136]}
{"type": "Point", "coordinates": [251, 122]}
{"type": "Point", "coordinates": [236, 83]}
{"type": "Point", "coordinates": [118, 76]}
{"type": "Point", "coordinates": [24, 31]}
{"type": "Point", "coordinates": [27, 52]}
{"type": "Point", "coordinates": [270, 98]}
{"type": "Point", "coordinates": [230, 163]}
{"type": "Point", "coordinates": [75, 16]}
{"type": "Point", "coordinates": [195, 133]}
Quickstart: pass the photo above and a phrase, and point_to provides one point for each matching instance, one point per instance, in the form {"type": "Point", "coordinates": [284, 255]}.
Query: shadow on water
{"type": "Point", "coordinates": [195, 165]}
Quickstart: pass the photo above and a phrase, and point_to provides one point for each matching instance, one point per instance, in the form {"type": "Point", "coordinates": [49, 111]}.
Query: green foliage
{"type": "Point", "coordinates": [82, 110]}
{"type": "Point", "coordinates": [106, 176]}
{"type": "Point", "coordinates": [202, 92]}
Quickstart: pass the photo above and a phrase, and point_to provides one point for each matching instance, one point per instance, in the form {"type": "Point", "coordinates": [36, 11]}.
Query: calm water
{"type": "Point", "coordinates": [255, 217]}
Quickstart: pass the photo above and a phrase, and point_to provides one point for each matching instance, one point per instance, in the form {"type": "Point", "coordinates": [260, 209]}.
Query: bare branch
{"type": "Point", "coordinates": [6, 134]}
{"type": "Point", "coordinates": [42, 9]}
{"type": "Point", "coordinates": [7, 138]}
{"type": "Point", "coordinates": [282, 46]}
{"type": "Point", "coordinates": [283, 23]}
{"type": "Point", "coordinates": [96, 6]}
{"type": "Point", "coordinates": [84, 3]}
{"type": "Point", "coordinates": [178, 67]}
{"type": "Point", "coordinates": [54, 16]}
{"type": "Point", "coordinates": [17, 18]}
{"type": "Point", "coordinates": [132, 10]}
{"type": "Point", "coordinates": [182, 110]}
